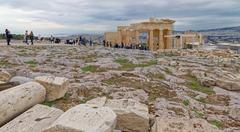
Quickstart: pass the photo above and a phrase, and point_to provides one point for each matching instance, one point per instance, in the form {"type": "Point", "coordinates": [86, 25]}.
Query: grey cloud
{"type": "Point", "coordinates": [192, 14]}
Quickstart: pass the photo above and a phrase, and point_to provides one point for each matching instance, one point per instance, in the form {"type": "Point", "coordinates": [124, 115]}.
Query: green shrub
{"type": "Point", "coordinates": [128, 65]}
{"type": "Point", "coordinates": [186, 102]}
{"type": "Point", "coordinates": [91, 68]}
{"type": "Point", "coordinates": [216, 123]}
{"type": "Point", "coordinates": [198, 114]}
{"type": "Point", "coordinates": [31, 63]}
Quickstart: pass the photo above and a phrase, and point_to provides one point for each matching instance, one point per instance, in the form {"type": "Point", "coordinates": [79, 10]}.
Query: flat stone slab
{"type": "Point", "coordinates": [85, 118]}
{"type": "Point", "coordinates": [35, 119]}
{"type": "Point", "coordinates": [16, 100]}
{"type": "Point", "coordinates": [56, 86]}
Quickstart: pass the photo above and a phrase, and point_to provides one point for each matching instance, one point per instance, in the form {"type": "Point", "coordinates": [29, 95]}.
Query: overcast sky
{"type": "Point", "coordinates": [96, 16]}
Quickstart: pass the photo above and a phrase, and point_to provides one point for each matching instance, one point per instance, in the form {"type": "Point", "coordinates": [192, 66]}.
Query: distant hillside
{"type": "Point", "coordinates": [219, 35]}
{"type": "Point", "coordinates": [232, 29]}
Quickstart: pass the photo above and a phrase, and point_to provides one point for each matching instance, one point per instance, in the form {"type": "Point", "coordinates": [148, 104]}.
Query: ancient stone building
{"type": "Point", "coordinates": [187, 39]}
{"type": "Point", "coordinates": [156, 30]}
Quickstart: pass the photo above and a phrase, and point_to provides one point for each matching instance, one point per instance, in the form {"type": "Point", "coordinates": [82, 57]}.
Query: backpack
{"type": "Point", "coordinates": [10, 36]}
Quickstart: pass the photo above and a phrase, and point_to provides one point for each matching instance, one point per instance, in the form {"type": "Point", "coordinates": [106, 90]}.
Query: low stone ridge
{"type": "Point", "coordinates": [85, 118]}
{"type": "Point", "coordinates": [182, 125]}
{"type": "Point", "coordinates": [56, 87]}
{"type": "Point", "coordinates": [35, 119]}
{"type": "Point", "coordinates": [16, 100]}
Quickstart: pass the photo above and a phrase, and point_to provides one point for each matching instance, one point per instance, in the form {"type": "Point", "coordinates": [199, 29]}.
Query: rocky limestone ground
{"type": "Point", "coordinates": [186, 85]}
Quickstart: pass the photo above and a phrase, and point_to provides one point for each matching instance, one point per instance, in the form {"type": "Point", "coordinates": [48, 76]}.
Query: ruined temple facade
{"type": "Point", "coordinates": [156, 30]}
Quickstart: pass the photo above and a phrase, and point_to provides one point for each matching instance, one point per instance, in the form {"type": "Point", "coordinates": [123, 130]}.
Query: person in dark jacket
{"type": "Point", "coordinates": [8, 36]}
{"type": "Point", "coordinates": [31, 36]}
{"type": "Point", "coordinates": [104, 43]}
{"type": "Point", "coordinates": [91, 42]}
{"type": "Point", "coordinates": [26, 37]}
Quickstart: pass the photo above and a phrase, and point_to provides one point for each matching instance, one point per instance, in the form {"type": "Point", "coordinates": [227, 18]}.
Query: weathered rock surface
{"type": "Point", "coordinates": [97, 102]}
{"type": "Point", "coordinates": [131, 115]}
{"type": "Point", "coordinates": [229, 85]}
{"type": "Point", "coordinates": [16, 100]}
{"type": "Point", "coordinates": [84, 118]}
{"type": "Point", "coordinates": [166, 108]}
{"type": "Point", "coordinates": [4, 75]}
{"type": "Point", "coordinates": [35, 119]}
{"type": "Point", "coordinates": [56, 87]}
{"type": "Point", "coordinates": [235, 113]}
{"type": "Point", "coordinates": [181, 83]}
{"type": "Point", "coordinates": [182, 125]}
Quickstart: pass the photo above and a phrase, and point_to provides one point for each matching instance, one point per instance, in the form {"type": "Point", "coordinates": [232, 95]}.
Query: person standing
{"type": "Point", "coordinates": [91, 42]}
{"type": "Point", "coordinates": [104, 43]}
{"type": "Point", "coordinates": [80, 40]}
{"type": "Point", "coordinates": [52, 39]}
{"type": "Point", "coordinates": [8, 36]}
{"type": "Point", "coordinates": [31, 36]}
{"type": "Point", "coordinates": [26, 37]}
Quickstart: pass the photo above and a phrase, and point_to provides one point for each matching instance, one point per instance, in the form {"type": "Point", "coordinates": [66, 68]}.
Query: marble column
{"type": "Point", "coordinates": [161, 42]}
{"type": "Point", "coordinates": [151, 40]}
{"type": "Point", "coordinates": [137, 37]}
{"type": "Point", "coordinates": [201, 40]}
{"type": "Point", "coordinates": [119, 37]}
{"type": "Point", "coordinates": [169, 40]}
{"type": "Point", "coordinates": [127, 38]}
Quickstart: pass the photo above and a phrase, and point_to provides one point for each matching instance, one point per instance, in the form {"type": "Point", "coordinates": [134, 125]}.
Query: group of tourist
{"type": "Point", "coordinates": [122, 45]}
{"type": "Point", "coordinates": [27, 37]}
{"type": "Point", "coordinates": [79, 41]}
